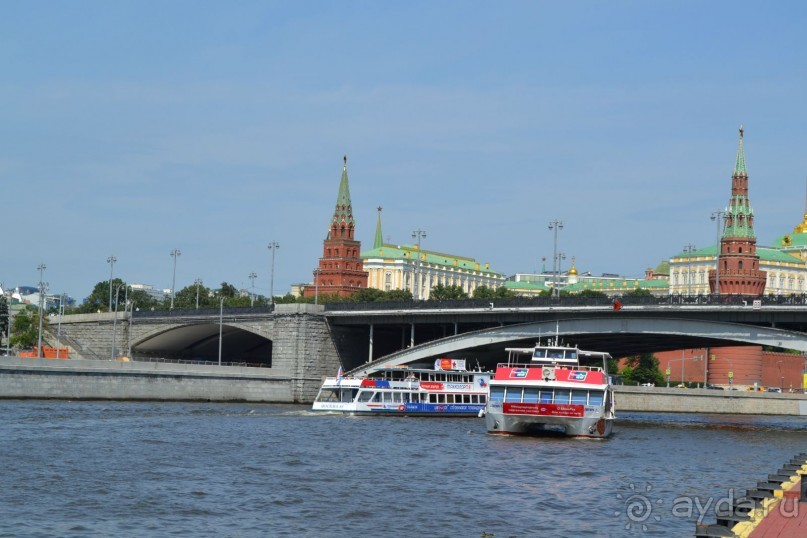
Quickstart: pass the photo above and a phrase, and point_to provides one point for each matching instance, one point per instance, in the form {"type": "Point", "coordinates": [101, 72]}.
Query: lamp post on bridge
{"type": "Point", "coordinates": [174, 253]}
{"type": "Point", "coordinates": [42, 285]}
{"type": "Point", "coordinates": [252, 277]}
{"type": "Point", "coordinates": [198, 283]}
{"type": "Point", "coordinates": [417, 234]}
{"type": "Point", "coordinates": [688, 248]}
{"type": "Point", "coordinates": [111, 261]}
{"type": "Point", "coordinates": [555, 225]}
{"type": "Point", "coordinates": [717, 216]}
{"type": "Point", "coordinates": [273, 246]}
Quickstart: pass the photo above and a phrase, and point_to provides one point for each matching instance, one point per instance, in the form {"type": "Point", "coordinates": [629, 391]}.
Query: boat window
{"type": "Point", "coordinates": [579, 397]}
{"type": "Point", "coordinates": [530, 395]}
{"type": "Point", "coordinates": [497, 394]}
{"type": "Point", "coordinates": [513, 394]}
{"type": "Point", "coordinates": [595, 398]}
{"type": "Point", "coordinates": [539, 354]}
{"type": "Point", "coordinates": [348, 395]}
{"type": "Point", "coordinates": [554, 353]}
{"type": "Point", "coordinates": [365, 396]}
{"type": "Point", "coordinates": [449, 398]}
{"type": "Point", "coordinates": [328, 395]}
{"type": "Point", "coordinates": [562, 396]}
{"type": "Point", "coordinates": [546, 395]}
{"type": "Point", "coordinates": [571, 354]}
{"type": "Point", "coordinates": [482, 398]}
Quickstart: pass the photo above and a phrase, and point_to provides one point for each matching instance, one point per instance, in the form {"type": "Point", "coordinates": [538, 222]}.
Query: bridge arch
{"type": "Point", "coordinates": [200, 342]}
{"type": "Point", "coordinates": [617, 335]}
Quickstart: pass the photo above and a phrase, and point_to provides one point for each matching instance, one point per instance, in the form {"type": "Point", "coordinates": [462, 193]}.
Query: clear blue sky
{"type": "Point", "coordinates": [132, 128]}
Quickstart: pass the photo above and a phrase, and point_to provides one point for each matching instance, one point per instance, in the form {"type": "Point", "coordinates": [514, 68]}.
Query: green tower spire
{"type": "Point", "coordinates": [739, 165]}
{"type": "Point", "coordinates": [378, 242]}
{"type": "Point", "coordinates": [344, 209]}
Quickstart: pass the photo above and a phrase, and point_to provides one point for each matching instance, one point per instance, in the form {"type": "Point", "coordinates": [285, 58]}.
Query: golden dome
{"type": "Point", "coordinates": [801, 228]}
{"type": "Point", "coordinates": [573, 270]}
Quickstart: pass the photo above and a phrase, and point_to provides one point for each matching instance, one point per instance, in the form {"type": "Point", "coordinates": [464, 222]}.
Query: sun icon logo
{"type": "Point", "coordinates": [638, 507]}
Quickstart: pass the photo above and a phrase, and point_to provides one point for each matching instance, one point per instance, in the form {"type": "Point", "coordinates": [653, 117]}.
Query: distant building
{"type": "Point", "coordinates": [574, 283]}
{"type": "Point", "coordinates": [157, 295]}
{"type": "Point", "coordinates": [408, 267]}
{"type": "Point", "coordinates": [340, 270]}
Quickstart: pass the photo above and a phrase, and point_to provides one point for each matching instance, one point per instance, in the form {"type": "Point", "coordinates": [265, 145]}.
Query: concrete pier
{"type": "Point", "coordinates": [735, 402]}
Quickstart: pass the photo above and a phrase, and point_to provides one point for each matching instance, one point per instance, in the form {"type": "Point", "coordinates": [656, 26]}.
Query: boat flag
{"type": "Point", "coordinates": [617, 304]}
{"type": "Point", "coordinates": [339, 375]}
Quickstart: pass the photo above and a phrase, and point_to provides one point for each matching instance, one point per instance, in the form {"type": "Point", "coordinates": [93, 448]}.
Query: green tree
{"type": "Point", "coordinates": [98, 300]}
{"type": "Point", "coordinates": [484, 292]}
{"type": "Point", "coordinates": [227, 290]}
{"type": "Point", "coordinates": [592, 293]}
{"type": "Point", "coordinates": [642, 368]}
{"type": "Point", "coordinates": [367, 295]}
{"type": "Point", "coordinates": [4, 316]}
{"type": "Point", "coordinates": [398, 295]}
{"type": "Point", "coordinates": [186, 297]}
{"type": "Point", "coordinates": [443, 293]}
{"type": "Point", "coordinates": [638, 292]}
{"type": "Point", "coordinates": [25, 330]}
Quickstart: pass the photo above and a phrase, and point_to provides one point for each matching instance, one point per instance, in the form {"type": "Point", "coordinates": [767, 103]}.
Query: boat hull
{"type": "Point", "coordinates": [408, 409]}
{"type": "Point", "coordinates": [592, 425]}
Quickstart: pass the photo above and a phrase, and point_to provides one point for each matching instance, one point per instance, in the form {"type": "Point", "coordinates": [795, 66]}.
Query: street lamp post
{"type": "Point", "coordinates": [555, 225]}
{"type": "Point", "coordinates": [41, 267]}
{"type": "Point", "coordinates": [174, 253]}
{"type": "Point", "coordinates": [682, 359]}
{"type": "Point", "coordinates": [115, 323]}
{"type": "Point", "coordinates": [221, 325]}
{"type": "Point", "coordinates": [59, 328]}
{"type": "Point", "coordinates": [317, 272]}
{"type": "Point", "coordinates": [273, 246]}
{"type": "Point", "coordinates": [111, 261]}
{"type": "Point", "coordinates": [417, 234]}
{"type": "Point", "coordinates": [198, 283]}
{"type": "Point", "coordinates": [717, 216]}
{"type": "Point", "coordinates": [252, 277]}
{"type": "Point", "coordinates": [688, 249]}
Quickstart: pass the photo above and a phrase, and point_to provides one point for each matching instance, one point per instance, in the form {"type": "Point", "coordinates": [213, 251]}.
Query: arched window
{"type": "Point", "coordinates": [740, 265]}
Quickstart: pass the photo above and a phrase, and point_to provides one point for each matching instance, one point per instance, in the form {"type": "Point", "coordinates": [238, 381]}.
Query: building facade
{"type": "Point", "coordinates": [408, 267]}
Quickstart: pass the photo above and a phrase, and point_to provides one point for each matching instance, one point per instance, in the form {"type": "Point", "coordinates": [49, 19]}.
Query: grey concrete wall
{"type": "Point", "coordinates": [672, 400]}
{"type": "Point", "coordinates": [111, 380]}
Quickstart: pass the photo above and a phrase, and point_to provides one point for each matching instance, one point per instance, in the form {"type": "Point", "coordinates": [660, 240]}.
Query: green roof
{"type": "Point", "coordinates": [410, 252]}
{"type": "Point", "coordinates": [768, 254]}
{"type": "Point", "coordinates": [616, 284]}
{"type": "Point", "coordinates": [344, 209]}
{"type": "Point", "coordinates": [533, 286]}
{"type": "Point", "coordinates": [795, 241]}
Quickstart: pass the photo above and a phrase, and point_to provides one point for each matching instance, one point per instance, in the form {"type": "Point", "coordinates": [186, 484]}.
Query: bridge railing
{"type": "Point", "coordinates": [203, 312]}
{"type": "Point", "coordinates": [574, 301]}
{"type": "Point", "coordinates": [200, 362]}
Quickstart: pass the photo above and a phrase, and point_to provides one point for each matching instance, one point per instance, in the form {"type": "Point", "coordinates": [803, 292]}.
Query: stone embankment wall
{"type": "Point", "coordinates": [672, 400]}
{"type": "Point", "coordinates": [111, 380]}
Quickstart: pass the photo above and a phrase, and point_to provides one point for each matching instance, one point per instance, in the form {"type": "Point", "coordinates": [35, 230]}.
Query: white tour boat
{"type": "Point", "coordinates": [447, 390]}
{"type": "Point", "coordinates": [551, 388]}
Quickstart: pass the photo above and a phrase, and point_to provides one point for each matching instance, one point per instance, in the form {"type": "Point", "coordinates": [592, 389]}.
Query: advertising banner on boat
{"type": "Point", "coordinates": [449, 364]}
{"type": "Point", "coordinates": [552, 410]}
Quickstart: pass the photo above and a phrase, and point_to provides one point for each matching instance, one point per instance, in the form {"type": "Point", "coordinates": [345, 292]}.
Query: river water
{"type": "Point", "coordinates": [249, 470]}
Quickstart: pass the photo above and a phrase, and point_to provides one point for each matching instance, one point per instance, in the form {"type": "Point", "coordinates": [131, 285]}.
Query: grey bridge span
{"type": "Point", "coordinates": [310, 341]}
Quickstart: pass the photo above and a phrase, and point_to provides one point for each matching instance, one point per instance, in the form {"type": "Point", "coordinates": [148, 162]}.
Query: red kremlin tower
{"type": "Point", "coordinates": [737, 262]}
{"type": "Point", "coordinates": [340, 271]}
